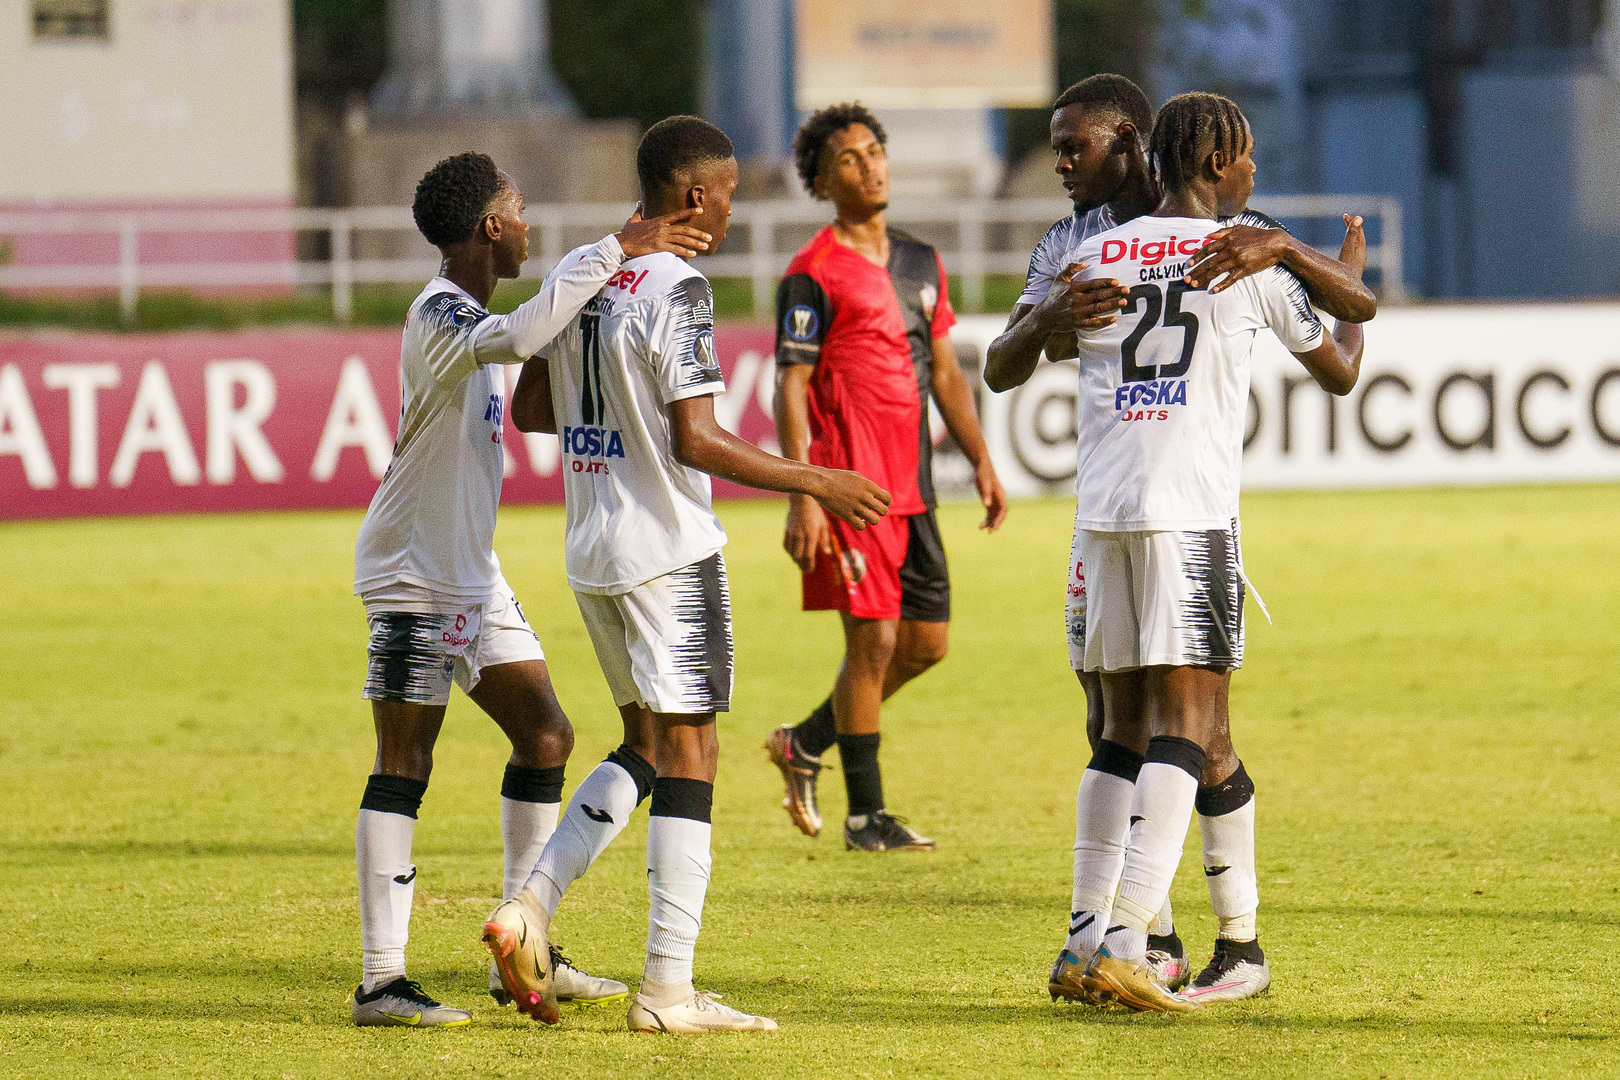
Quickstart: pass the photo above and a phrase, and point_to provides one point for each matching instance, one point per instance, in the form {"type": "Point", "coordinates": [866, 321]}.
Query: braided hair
{"type": "Point", "coordinates": [1189, 128]}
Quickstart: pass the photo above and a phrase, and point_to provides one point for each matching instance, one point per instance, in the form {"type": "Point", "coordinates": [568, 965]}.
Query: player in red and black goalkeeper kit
{"type": "Point", "coordinates": [863, 316]}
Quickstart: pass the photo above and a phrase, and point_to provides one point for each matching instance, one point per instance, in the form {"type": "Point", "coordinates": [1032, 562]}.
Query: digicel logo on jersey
{"type": "Point", "coordinates": [591, 443]}
{"type": "Point", "coordinates": [1152, 252]}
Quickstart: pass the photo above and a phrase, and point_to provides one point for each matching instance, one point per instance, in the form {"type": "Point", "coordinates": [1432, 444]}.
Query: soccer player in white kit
{"type": "Point", "coordinates": [1100, 128]}
{"type": "Point", "coordinates": [425, 565]}
{"type": "Point", "coordinates": [630, 389]}
{"type": "Point", "coordinates": [1163, 403]}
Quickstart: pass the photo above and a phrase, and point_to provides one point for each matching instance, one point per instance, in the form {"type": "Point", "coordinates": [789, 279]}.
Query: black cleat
{"type": "Point", "coordinates": [885, 832]}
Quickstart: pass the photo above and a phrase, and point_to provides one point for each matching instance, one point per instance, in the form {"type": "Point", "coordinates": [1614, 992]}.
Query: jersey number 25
{"type": "Point", "coordinates": [1167, 303]}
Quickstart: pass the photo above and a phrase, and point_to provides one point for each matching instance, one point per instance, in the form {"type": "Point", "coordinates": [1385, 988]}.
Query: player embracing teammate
{"type": "Point", "coordinates": [1156, 587]}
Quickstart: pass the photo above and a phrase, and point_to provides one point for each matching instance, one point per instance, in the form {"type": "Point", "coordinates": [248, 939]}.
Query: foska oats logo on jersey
{"type": "Point", "coordinates": [591, 447]}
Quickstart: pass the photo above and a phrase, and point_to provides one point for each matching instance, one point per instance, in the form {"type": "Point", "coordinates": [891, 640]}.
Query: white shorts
{"type": "Point", "coordinates": [414, 657]}
{"type": "Point", "coordinates": [666, 644]}
{"type": "Point", "coordinates": [1141, 599]}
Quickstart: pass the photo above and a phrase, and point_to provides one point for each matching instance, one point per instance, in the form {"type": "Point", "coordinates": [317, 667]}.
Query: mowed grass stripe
{"type": "Point", "coordinates": [1430, 723]}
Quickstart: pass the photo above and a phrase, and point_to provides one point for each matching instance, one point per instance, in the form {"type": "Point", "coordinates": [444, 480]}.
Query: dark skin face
{"type": "Point", "coordinates": [1098, 153]}
{"type": "Point", "coordinates": [854, 172]}
{"type": "Point", "coordinates": [497, 248]}
{"type": "Point", "coordinates": [1221, 187]}
{"type": "Point", "coordinates": [707, 188]}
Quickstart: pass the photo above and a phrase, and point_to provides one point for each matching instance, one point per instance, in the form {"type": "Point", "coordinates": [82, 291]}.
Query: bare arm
{"type": "Point", "coordinates": [701, 443]}
{"type": "Point", "coordinates": [806, 534]}
{"type": "Point", "coordinates": [955, 401]}
{"type": "Point", "coordinates": [1242, 250]}
{"type": "Point", "coordinates": [1336, 363]}
{"type": "Point", "coordinates": [532, 408]}
{"type": "Point", "coordinates": [1050, 324]}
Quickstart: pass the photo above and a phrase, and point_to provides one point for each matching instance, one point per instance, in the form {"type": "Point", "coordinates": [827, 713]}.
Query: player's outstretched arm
{"type": "Point", "coordinates": [1068, 306]}
{"type": "Point", "coordinates": [956, 406]}
{"type": "Point", "coordinates": [1237, 252]}
{"type": "Point", "coordinates": [701, 443]}
{"type": "Point", "coordinates": [513, 338]}
{"type": "Point", "coordinates": [532, 408]}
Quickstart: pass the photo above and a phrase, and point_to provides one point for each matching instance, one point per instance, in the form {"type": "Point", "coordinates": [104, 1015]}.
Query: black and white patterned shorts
{"type": "Point", "coordinates": [666, 643]}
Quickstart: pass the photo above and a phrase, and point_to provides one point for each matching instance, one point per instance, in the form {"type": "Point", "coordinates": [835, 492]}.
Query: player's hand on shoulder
{"type": "Point", "coordinates": [852, 498]}
{"type": "Point", "coordinates": [1234, 253]}
{"type": "Point", "coordinates": [807, 533]}
{"type": "Point", "coordinates": [1074, 303]}
{"type": "Point", "coordinates": [1353, 252]}
{"type": "Point", "coordinates": [643, 236]}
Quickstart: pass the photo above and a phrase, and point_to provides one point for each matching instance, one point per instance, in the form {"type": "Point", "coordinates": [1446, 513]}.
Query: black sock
{"type": "Point", "coordinates": [639, 768]}
{"type": "Point", "coordinates": [1170, 943]}
{"type": "Point", "coordinates": [816, 733]}
{"type": "Point", "coordinates": [524, 784]}
{"type": "Point", "coordinates": [393, 794]}
{"type": "Point", "coordinates": [1243, 950]}
{"type": "Point", "coordinates": [677, 796]}
{"type": "Point", "coordinates": [863, 780]}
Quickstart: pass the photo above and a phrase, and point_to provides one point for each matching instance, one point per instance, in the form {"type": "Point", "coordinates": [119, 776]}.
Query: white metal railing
{"type": "Point", "coordinates": [970, 259]}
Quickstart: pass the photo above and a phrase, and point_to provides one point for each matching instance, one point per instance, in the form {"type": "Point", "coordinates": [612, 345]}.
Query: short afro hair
{"type": "Point", "coordinates": [1113, 92]}
{"type": "Point", "coordinates": [454, 196]}
{"type": "Point", "coordinates": [823, 125]}
{"type": "Point", "coordinates": [676, 144]}
{"type": "Point", "coordinates": [1190, 128]}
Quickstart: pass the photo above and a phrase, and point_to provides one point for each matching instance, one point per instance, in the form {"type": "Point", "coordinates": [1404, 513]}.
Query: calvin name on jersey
{"type": "Point", "coordinates": [1165, 387]}
{"type": "Point", "coordinates": [646, 340]}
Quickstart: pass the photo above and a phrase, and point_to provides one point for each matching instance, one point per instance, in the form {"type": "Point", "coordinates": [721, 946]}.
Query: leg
{"type": "Point", "coordinates": [918, 646]}
{"type": "Point", "coordinates": [857, 707]}
{"type": "Point", "coordinates": [1225, 807]}
{"type": "Point", "coordinates": [406, 733]}
{"type": "Point", "coordinates": [1180, 706]}
{"type": "Point", "coordinates": [1102, 810]}
{"type": "Point", "coordinates": [518, 696]}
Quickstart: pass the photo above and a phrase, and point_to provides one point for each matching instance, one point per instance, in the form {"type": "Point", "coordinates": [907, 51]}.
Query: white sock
{"type": "Point", "coordinates": [1234, 892]}
{"type": "Point", "coordinates": [1164, 923]}
{"type": "Point", "coordinates": [1101, 827]}
{"type": "Point", "coordinates": [382, 850]}
{"type": "Point", "coordinates": [525, 828]}
{"type": "Point", "coordinates": [678, 863]}
{"type": "Point", "coordinates": [599, 810]}
{"type": "Point", "coordinates": [1162, 809]}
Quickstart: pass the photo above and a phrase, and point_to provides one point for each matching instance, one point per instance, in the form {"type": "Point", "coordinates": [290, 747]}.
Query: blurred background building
{"type": "Point", "coordinates": [1495, 123]}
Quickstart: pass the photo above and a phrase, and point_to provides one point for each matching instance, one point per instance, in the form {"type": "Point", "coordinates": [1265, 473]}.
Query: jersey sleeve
{"type": "Point", "coordinates": [802, 315]}
{"type": "Point", "coordinates": [680, 343]}
{"type": "Point", "coordinates": [513, 338]}
{"type": "Point", "coordinates": [1044, 264]}
{"type": "Point", "coordinates": [1255, 219]}
{"type": "Point", "coordinates": [448, 323]}
{"type": "Point", "coordinates": [1287, 310]}
{"type": "Point", "coordinates": [944, 314]}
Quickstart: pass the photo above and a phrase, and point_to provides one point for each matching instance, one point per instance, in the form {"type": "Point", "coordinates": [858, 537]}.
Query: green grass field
{"type": "Point", "coordinates": [1431, 724]}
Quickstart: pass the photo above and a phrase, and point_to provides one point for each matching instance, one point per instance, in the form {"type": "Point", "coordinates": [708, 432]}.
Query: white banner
{"type": "Point", "coordinates": [1487, 394]}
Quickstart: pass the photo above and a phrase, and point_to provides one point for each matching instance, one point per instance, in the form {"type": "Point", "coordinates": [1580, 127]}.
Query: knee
{"type": "Point", "coordinates": [923, 651]}
{"type": "Point", "coordinates": [870, 650]}
{"type": "Point", "coordinates": [541, 723]}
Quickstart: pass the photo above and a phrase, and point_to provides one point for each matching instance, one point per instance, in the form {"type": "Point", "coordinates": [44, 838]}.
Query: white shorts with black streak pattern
{"type": "Point", "coordinates": [1141, 599]}
{"type": "Point", "coordinates": [666, 644]}
{"type": "Point", "coordinates": [414, 657]}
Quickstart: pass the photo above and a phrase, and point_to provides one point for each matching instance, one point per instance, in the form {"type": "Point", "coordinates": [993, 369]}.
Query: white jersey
{"type": "Point", "coordinates": [428, 536]}
{"type": "Point", "coordinates": [1053, 253]}
{"type": "Point", "coordinates": [1164, 389]}
{"type": "Point", "coordinates": [634, 512]}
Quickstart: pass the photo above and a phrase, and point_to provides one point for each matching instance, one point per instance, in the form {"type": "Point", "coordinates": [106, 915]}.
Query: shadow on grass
{"type": "Point", "coordinates": [174, 849]}
{"type": "Point", "coordinates": [1403, 911]}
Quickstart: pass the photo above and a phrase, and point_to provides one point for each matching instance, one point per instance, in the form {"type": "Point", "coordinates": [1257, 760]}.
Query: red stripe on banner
{"type": "Point", "coordinates": [107, 424]}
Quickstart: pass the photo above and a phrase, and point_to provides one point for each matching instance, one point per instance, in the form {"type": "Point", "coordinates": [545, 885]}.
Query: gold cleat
{"type": "Point", "coordinates": [1109, 978]}
{"type": "Point", "coordinates": [799, 777]}
{"type": "Point", "coordinates": [1067, 979]}
{"type": "Point", "coordinates": [515, 936]}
